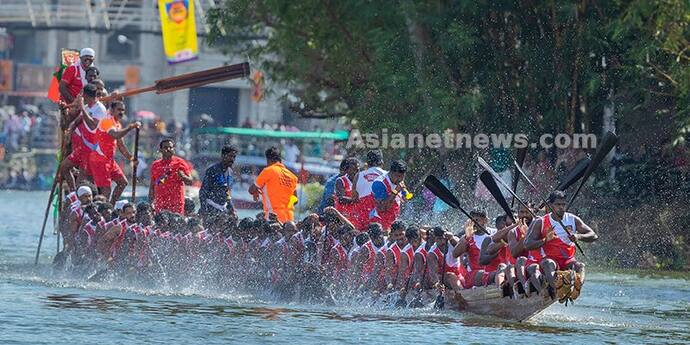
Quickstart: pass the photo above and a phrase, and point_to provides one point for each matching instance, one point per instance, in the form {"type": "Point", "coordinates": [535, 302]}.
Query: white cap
{"type": "Point", "coordinates": [87, 52]}
{"type": "Point", "coordinates": [120, 204]}
{"type": "Point", "coordinates": [83, 190]}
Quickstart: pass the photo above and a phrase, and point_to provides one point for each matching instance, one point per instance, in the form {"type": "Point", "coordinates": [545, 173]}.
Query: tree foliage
{"type": "Point", "coordinates": [411, 65]}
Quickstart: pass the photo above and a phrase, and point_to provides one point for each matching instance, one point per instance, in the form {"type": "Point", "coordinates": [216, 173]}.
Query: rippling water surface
{"type": "Point", "coordinates": [39, 307]}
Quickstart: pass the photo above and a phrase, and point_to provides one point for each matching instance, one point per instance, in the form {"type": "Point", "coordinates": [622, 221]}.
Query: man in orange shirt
{"type": "Point", "coordinates": [276, 185]}
{"type": "Point", "coordinates": [168, 177]}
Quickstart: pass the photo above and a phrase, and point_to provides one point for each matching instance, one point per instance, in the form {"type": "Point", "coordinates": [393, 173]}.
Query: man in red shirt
{"type": "Point", "coordinates": [168, 177]}
{"type": "Point", "coordinates": [74, 77]}
{"type": "Point", "coordinates": [108, 135]}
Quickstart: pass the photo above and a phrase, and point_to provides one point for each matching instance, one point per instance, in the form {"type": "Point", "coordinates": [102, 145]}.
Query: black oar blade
{"type": "Point", "coordinates": [493, 188]}
{"type": "Point", "coordinates": [575, 174]}
{"type": "Point", "coordinates": [572, 177]}
{"type": "Point", "coordinates": [521, 173]}
{"type": "Point", "coordinates": [604, 148]}
{"type": "Point", "coordinates": [441, 191]}
{"type": "Point", "coordinates": [521, 154]}
{"type": "Point", "coordinates": [497, 178]}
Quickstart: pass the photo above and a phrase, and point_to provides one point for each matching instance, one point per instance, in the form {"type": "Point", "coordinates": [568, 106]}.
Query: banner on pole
{"type": "Point", "coordinates": [178, 27]}
{"type": "Point", "coordinates": [68, 57]}
{"type": "Point", "coordinates": [6, 75]}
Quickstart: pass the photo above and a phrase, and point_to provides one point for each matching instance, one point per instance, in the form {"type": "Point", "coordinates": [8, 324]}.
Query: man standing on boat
{"type": "Point", "coordinates": [345, 197]}
{"type": "Point", "coordinates": [365, 179]}
{"type": "Point", "coordinates": [108, 133]}
{"type": "Point", "coordinates": [74, 77]}
{"type": "Point", "coordinates": [327, 199]}
{"type": "Point", "coordinates": [388, 191]}
{"type": "Point", "coordinates": [558, 244]}
{"type": "Point", "coordinates": [215, 194]}
{"type": "Point", "coordinates": [276, 185]}
{"type": "Point", "coordinates": [169, 175]}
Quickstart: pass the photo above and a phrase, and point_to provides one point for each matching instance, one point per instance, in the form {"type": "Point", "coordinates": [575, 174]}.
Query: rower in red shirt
{"type": "Point", "coordinates": [346, 197]}
{"type": "Point", "coordinates": [366, 202]}
{"type": "Point", "coordinates": [168, 177]}
{"type": "Point", "coordinates": [388, 191]}
{"type": "Point", "coordinates": [557, 244]}
{"type": "Point", "coordinates": [526, 261]}
{"type": "Point", "coordinates": [74, 77]}
{"type": "Point", "coordinates": [109, 134]}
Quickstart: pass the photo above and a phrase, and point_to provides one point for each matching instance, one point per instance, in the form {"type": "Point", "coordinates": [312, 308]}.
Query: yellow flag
{"type": "Point", "coordinates": [179, 30]}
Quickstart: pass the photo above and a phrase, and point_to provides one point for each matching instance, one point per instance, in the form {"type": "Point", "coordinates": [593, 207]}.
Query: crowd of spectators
{"type": "Point", "coordinates": [23, 128]}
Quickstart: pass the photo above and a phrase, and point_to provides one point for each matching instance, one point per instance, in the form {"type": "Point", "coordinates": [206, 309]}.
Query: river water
{"type": "Point", "coordinates": [36, 307]}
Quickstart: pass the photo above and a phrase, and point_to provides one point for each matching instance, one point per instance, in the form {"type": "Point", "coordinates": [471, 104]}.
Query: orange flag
{"type": "Point", "coordinates": [53, 89]}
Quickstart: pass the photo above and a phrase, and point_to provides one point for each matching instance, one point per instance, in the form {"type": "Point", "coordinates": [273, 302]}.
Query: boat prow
{"type": "Point", "coordinates": [490, 301]}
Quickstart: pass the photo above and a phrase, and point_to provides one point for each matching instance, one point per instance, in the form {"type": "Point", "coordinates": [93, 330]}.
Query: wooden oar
{"type": "Point", "coordinates": [497, 178]}
{"type": "Point", "coordinates": [488, 168]}
{"type": "Point", "coordinates": [521, 155]}
{"type": "Point", "coordinates": [440, 190]}
{"type": "Point", "coordinates": [495, 191]}
{"type": "Point", "coordinates": [189, 80]}
{"type": "Point", "coordinates": [134, 168]}
{"type": "Point", "coordinates": [45, 215]}
{"type": "Point", "coordinates": [572, 177]}
{"type": "Point", "coordinates": [56, 181]}
{"type": "Point", "coordinates": [609, 142]}
{"type": "Point", "coordinates": [544, 202]}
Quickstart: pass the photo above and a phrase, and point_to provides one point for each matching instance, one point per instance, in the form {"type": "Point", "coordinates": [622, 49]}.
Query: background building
{"type": "Point", "coordinates": [129, 50]}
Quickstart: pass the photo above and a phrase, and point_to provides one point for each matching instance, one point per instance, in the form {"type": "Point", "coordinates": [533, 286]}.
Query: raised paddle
{"type": "Point", "coordinates": [493, 188]}
{"type": "Point", "coordinates": [497, 178]}
{"type": "Point", "coordinates": [189, 80]}
{"type": "Point", "coordinates": [134, 168]}
{"type": "Point", "coordinates": [521, 155]}
{"type": "Point", "coordinates": [56, 181]}
{"type": "Point", "coordinates": [572, 177]}
{"type": "Point", "coordinates": [439, 189]}
{"type": "Point", "coordinates": [45, 215]}
{"type": "Point", "coordinates": [575, 174]}
{"type": "Point", "coordinates": [488, 168]}
{"type": "Point", "coordinates": [608, 143]}
{"type": "Point", "coordinates": [544, 202]}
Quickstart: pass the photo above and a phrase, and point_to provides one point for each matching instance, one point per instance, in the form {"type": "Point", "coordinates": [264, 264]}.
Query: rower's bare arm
{"type": "Point", "coordinates": [401, 278]}
{"type": "Point", "coordinates": [452, 239]}
{"type": "Point", "coordinates": [460, 248]}
{"type": "Point", "coordinates": [514, 245]}
{"type": "Point", "coordinates": [503, 233]}
{"type": "Point", "coordinates": [489, 251]}
{"type": "Point", "coordinates": [120, 133]}
{"type": "Point", "coordinates": [432, 265]}
{"type": "Point", "coordinates": [584, 232]}
{"type": "Point", "coordinates": [418, 270]}
{"type": "Point", "coordinates": [390, 268]}
{"type": "Point", "coordinates": [123, 150]}
{"type": "Point", "coordinates": [186, 179]}
{"type": "Point", "coordinates": [342, 218]}
{"type": "Point", "coordinates": [73, 125]}
{"type": "Point", "coordinates": [86, 116]}
{"type": "Point", "coordinates": [534, 240]}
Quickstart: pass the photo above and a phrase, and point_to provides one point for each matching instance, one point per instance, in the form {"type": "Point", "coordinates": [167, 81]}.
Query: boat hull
{"type": "Point", "coordinates": [490, 301]}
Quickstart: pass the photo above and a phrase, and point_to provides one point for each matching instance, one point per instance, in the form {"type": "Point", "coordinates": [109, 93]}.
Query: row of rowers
{"type": "Point", "coordinates": [512, 255]}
